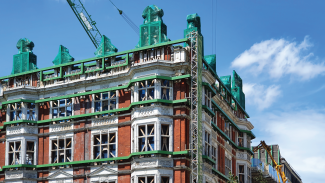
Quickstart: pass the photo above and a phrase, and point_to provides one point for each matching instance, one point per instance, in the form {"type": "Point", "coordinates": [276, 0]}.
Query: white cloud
{"type": "Point", "coordinates": [280, 57]}
{"type": "Point", "coordinates": [256, 94]}
{"type": "Point", "coordinates": [300, 135]}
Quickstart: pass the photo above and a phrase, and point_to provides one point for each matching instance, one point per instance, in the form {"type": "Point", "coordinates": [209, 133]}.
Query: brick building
{"type": "Point", "coordinates": [124, 116]}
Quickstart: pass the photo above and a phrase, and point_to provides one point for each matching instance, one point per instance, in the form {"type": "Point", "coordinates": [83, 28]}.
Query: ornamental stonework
{"type": "Point", "coordinates": [61, 127]}
{"type": "Point", "coordinates": [21, 130]}
{"type": "Point", "coordinates": [104, 121]}
{"type": "Point", "coordinates": [152, 110]}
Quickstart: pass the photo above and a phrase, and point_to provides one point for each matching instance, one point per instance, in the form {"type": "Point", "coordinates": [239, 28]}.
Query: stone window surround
{"type": "Point", "coordinates": [157, 173]}
{"type": "Point", "coordinates": [58, 137]}
{"type": "Point", "coordinates": [157, 137]}
{"type": "Point", "coordinates": [23, 109]}
{"type": "Point", "coordinates": [23, 140]}
{"type": "Point", "coordinates": [104, 131]}
{"type": "Point", "coordinates": [116, 98]}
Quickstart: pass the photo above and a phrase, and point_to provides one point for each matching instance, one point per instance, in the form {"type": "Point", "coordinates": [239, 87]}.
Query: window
{"type": "Point", "coordinates": [146, 138]}
{"type": "Point", "coordinates": [227, 166]}
{"type": "Point", "coordinates": [166, 87]}
{"type": "Point", "coordinates": [147, 179]}
{"type": "Point", "coordinates": [14, 153]}
{"type": "Point", "coordinates": [241, 174]}
{"type": "Point", "coordinates": [15, 111]}
{"type": "Point", "coordinates": [207, 143]}
{"type": "Point", "coordinates": [248, 175]}
{"type": "Point", "coordinates": [165, 137]}
{"type": "Point", "coordinates": [104, 146]}
{"type": "Point", "coordinates": [240, 139]}
{"type": "Point", "coordinates": [105, 101]}
{"type": "Point", "coordinates": [164, 179]}
{"type": "Point", "coordinates": [214, 156]}
{"type": "Point", "coordinates": [61, 108]}
{"type": "Point", "coordinates": [61, 150]}
{"type": "Point", "coordinates": [207, 97]}
{"type": "Point", "coordinates": [146, 90]}
{"type": "Point", "coordinates": [248, 141]}
{"type": "Point", "coordinates": [30, 152]}
{"type": "Point", "coordinates": [31, 115]}
{"type": "Point", "coordinates": [227, 129]}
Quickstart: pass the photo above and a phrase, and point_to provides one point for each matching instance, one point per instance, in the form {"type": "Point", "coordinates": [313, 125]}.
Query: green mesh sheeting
{"type": "Point", "coordinates": [63, 56]}
{"type": "Point", "coordinates": [153, 30]}
{"type": "Point", "coordinates": [211, 59]}
{"type": "Point", "coordinates": [226, 80]}
{"type": "Point", "coordinates": [193, 24]}
{"type": "Point", "coordinates": [25, 60]}
{"type": "Point", "coordinates": [105, 47]}
{"type": "Point", "coordinates": [237, 89]}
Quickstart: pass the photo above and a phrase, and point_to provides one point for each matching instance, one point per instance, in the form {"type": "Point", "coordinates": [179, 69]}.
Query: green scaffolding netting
{"type": "Point", "coordinates": [105, 47]}
{"type": "Point", "coordinates": [25, 60]}
{"type": "Point", "coordinates": [153, 30]}
{"type": "Point", "coordinates": [63, 56]}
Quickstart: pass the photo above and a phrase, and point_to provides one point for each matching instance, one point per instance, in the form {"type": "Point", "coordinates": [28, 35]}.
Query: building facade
{"type": "Point", "coordinates": [123, 116]}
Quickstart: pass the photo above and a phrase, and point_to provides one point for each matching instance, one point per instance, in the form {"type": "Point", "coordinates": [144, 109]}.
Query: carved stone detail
{"type": "Point", "coordinates": [22, 129]}
{"type": "Point", "coordinates": [104, 121]}
{"type": "Point", "coordinates": [21, 174]}
{"type": "Point", "coordinates": [152, 110]}
{"type": "Point", "coordinates": [166, 163]}
{"type": "Point", "coordinates": [61, 127]}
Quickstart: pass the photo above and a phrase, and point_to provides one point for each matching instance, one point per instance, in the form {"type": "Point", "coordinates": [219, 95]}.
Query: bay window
{"type": "Point", "coordinates": [166, 89]}
{"type": "Point", "coordinates": [240, 139]}
{"type": "Point", "coordinates": [146, 138]}
{"type": "Point", "coordinates": [146, 90]}
{"type": "Point", "coordinates": [14, 153]}
{"type": "Point", "coordinates": [146, 179]}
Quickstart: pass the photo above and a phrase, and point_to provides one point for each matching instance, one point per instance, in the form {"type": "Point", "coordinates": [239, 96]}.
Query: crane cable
{"type": "Point", "coordinates": [127, 19]}
{"type": "Point", "coordinates": [214, 26]}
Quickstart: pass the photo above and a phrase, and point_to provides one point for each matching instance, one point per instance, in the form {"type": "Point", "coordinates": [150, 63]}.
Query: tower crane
{"type": "Point", "coordinates": [278, 167]}
{"type": "Point", "coordinates": [85, 19]}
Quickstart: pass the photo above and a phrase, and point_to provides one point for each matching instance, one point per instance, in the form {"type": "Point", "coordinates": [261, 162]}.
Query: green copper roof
{"type": "Point", "coordinates": [211, 59]}
{"type": "Point", "coordinates": [25, 60]}
{"type": "Point", "coordinates": [63, 56]}
{"type": "Point", "coordinates": [105, 47]}
{"type": "Point", "coordinates": [153, 30]}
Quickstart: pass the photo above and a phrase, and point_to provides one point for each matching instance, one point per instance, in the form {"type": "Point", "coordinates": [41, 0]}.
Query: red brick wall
{"type": "Point", "coordinates": [181, 133]}
{"type": "Point", "coordinates": [79, 143]}
{"type": "Point", "coordinates": [126, 178]}
{"type": "Point", "coordinates": [181, 162]}
{"type": "Point", "coordinates": [181, 176]}
{"type": "Point", "coordinates": [44, 111]}
{"type": "Point", "coordinates": [76, 105]}
{"type": "Point", "coordinates": [79, 171]}
{"type": "Point", "coordinates": [181, 88]}
{"type": "Point", "coordinates": [167, 53]}
{"type": "Point", "coordinates": [221, 160]}
{"type": "Point", "coordinates": [2, 154]}
{"type": "Point", "coordinates": [35, 79]}
{"type": "Point", "coordinates": [43, 147]}
{"type": "Point", "coordinates": [124, 99]}
{"type": "Point", "coordinates": [136, 57]}
{"type": "Point", "coordinates": [3, 118]}
{"type": "Point", "coordinates": [124, 140]}
{"type": "Point", "coordinates": [122, 119]}
{"type": "Point", "coordinates": [124, 167]}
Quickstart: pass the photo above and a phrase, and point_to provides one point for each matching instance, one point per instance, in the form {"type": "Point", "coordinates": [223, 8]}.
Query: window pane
{"type": "Point", "coordinates": [142, 144]}
{"type": "Point", "coordinates": [97, 106]}
{"type": "Point", "coordinates": [164, 179]}
{"type": "Point", "coordinates": [151, 143]}
{"type": "Point", "coordinates": [19, 115]}
{"type": "Point", "coordinates": [151, 130]}
{"type": "Point", "coordinates": [104, 151]}
{"type": "Point", "coordinates": [150, 179]}
{"type": "Point", "coordinates": [165, 93]}
{"type": "Point", "coordinates": [12, 116]}
{"type": "Point", "coordinates": [54, 113]}
{"type": "Point", "coordinates": [54, 156]}
{"type": "Point", "coordinates": [142, 95]}
{"type": "Point", "coordinates": [165, 83]}
{"type": "Point", "coordinates": [62, 102]}
{"type": "Point", "coordinates": [69, 111]}
{"type": "Point", "coordinates": [165, 143]}
{"type": "Point", "coordinates": [112, 94]}
{"type": "Point", "coordinates": [112, 151]}
{"type": "Point", "coordinates": [68, 155]}
{"type": "Point", "coordinates": [151, 94]}
{"type": "Point", "coordinates": [104, 139]}
{"type": "Point", "coordinates": [164, 129]}
{"type": "Point", "coordinates": [112, 104]}
{"type": "Point", "coordinates": [241, 168]}
{"type": "Point", "coordinates": [105, 105]}
{"type": "Point", "coordinates": [151, 83]}
{"type": "Point", "coordinates": [61, 144]}
{"type": "Point", "coordinates": [105, 96]}
{"type": "Point", "coordinates": [62, 112]}
{"type": "Point", "coordinates": [96, 152]}
{"type": "Point", "coordinates": [69, 101]}
{"type": "Point", "coordinates": [142, 130]}
{"type": "Point", "coordinates": [112, 138]}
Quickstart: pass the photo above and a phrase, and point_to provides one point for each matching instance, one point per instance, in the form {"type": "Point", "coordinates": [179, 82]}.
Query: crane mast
{"type": "Point", "coordinates": [85, 19]}
{"type": "Point", "coordinates": [277, 166]}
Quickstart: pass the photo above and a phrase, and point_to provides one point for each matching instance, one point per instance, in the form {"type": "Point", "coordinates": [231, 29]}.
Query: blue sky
{"type": "Point", "coordinates": [277, 47]}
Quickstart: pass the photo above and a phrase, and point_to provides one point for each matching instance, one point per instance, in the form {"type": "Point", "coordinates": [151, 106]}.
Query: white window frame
{"type": "Point", "coordinates": [214, 155]}
{"type": "Point", "coordinates": [56, 105]}
{"type": "Point", "coordinates": [58, 138]}
{"type": "Point", "coordinates": [15, 108]}
{"type": "Point", "coordinates": [146, 134]}
{"type": "Point", "coordinates": [165, 89]}
{"type": "Point", "coordinates": [227, 128]}
{"type": "Point", "coordinates": [207, 144]}
{"type": "Point", "coordinates": [207, 97]}
{"type": "Point", "coordinates": [146, 85]}
{"type": "Point", "coordinates": [227, 167]}
{"type": "Point", "coordinates": [111, 96]}
{"type": "Point", "coordinates": [23, 149]}
{"type": "Point", "coordinates": [100, 133]}
{"type": "Point", "coordinates": [13, 150]}
{"type": "Point", "coordinates": [241, 173]}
